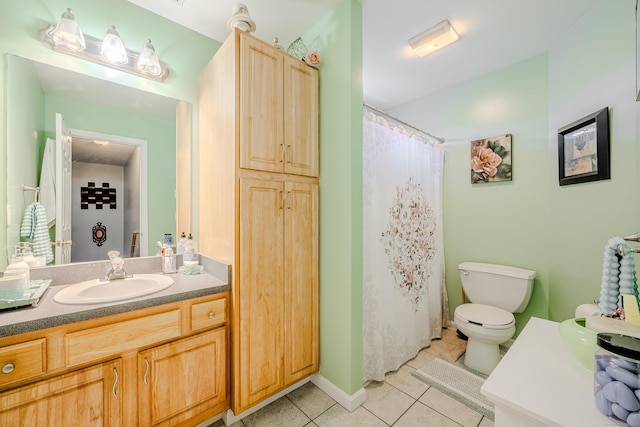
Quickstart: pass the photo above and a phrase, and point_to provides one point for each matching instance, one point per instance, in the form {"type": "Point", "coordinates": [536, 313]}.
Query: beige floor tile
{"type": "Point", "coordinates": [403, 380]}
{"type": "Point", "coordinates": [421, 359]}
{"type": "Point", "coordinates": [486, 422]}
{"type": "Point", "coordinates": [446, 350]}
{"type": "Point", "coordinates": [337, 416]}
{"type": "Point", "coordinates": [311, 400]}
{"type": "Point", "coordinates": [420, 415]}
{"type": "Point", "coordinates": [386, 402]}
{"type": "Point", "coordinates": [311, 424]}
{"type": "Point", "coordinates": [450, 335]}
{"type": "Point", "coordinates": [451, 408]}
{"type": "Point", "coordinates": [280, 413]}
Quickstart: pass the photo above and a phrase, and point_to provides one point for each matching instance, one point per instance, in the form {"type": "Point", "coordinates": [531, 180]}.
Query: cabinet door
{"type": "Point", "coordinates": [300, 118]}
{"type": "Point", "coordinates": [89, 397]}
{"type": "Point", "coordinates": [301, 281]}
{"type": "Point", "coordinates": [261, 106]}
{"type": "Point", "coordinates": [260, 294]}
{"type": "Point", "coordinates": [182, 379]}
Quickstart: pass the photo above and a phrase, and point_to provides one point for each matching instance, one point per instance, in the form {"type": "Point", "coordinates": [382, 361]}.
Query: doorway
{"type": "Point", "coordinates": [109, 195]}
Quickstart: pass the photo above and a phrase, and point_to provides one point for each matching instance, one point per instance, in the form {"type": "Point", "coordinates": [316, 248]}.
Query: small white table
{"type": "Point", "coordinates": [539, 382]}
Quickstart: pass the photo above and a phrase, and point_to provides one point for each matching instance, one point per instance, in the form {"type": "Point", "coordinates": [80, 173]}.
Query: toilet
{"type": "Point", "coordinates": [495, 292]}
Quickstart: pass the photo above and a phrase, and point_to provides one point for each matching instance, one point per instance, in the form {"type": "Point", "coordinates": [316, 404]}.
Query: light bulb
{"type": "Point", "coordinates": [113, 48]}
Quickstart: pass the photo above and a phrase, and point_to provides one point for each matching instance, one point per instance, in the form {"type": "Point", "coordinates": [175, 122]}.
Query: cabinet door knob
{"type": "Point", "coordinates": [212, 315]}
{"type": "Point", "coordinates": [8, 368]}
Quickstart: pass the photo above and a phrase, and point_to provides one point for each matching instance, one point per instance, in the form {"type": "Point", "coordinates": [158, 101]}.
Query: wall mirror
{"type": "Point", "coordinates": [123, 155]}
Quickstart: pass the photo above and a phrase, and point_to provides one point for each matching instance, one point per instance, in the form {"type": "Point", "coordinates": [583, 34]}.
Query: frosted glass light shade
{"type": "Point", "coordinates": [434, 39]}
{"type": "Point", "coordinates": [68, 33]}
{"type": "Point", "coordinates": [148, 61]}
{"type": "Point", "coordinates": [112, 47]}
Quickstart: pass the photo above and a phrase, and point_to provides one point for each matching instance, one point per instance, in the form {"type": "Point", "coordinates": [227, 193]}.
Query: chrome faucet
{"type": "Point", "coordinates": [117, 266]}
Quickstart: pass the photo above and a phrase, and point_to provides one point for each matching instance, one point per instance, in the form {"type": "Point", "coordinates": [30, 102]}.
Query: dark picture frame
{"type": "Point", "coordinates": [583, 149]}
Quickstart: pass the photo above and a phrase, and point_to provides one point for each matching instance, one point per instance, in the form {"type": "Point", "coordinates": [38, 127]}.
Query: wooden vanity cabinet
{"type": "Point", "coordinates": [181, 379]}
{"type": "Point", "coordinates": [258, 115]}
{"type": "Point", "coordinates": [88, 397]}
{"type": "Point", "coordinates": [159, 366]}
{"type": "Point", "coordinates": [278, 101]}
{"type": "Point", "coordinates": [258, 124]}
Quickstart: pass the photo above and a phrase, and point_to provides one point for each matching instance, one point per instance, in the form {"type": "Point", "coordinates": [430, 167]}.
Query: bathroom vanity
{"type": "Point", "coordinates": [539, 382]}
{"type": "Point", "coordinates": [151, 361]}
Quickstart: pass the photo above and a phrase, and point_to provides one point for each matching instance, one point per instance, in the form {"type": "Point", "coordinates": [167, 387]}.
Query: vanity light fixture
{"type": "Point", "coordinates": [68, 32]}
{"type": "Point", "coordinates": [148, 61]}
{"type": "Point", "coordinates": [112, 47]}
{"type": "Point", "coordinates": [66, 37]}
{"type": "Point", "coordinates": [433, 39]}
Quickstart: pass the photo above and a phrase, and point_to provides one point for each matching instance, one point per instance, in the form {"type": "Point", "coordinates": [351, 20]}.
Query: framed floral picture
{"type": "Point", "coordinates": [583, 149]}
{"type": "Point", "coordinates": [491, 159]}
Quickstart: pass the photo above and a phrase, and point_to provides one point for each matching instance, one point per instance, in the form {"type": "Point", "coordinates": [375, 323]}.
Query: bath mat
{"type": "Point", "coordinates": [456, 381]}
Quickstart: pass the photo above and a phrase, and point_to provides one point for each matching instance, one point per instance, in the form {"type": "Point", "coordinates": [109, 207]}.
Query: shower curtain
{"type": "Point", "coordinates": [404, 295]}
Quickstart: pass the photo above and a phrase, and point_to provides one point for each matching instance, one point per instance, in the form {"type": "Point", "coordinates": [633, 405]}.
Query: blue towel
{"type": "Point", "coordinates": [34, 227]}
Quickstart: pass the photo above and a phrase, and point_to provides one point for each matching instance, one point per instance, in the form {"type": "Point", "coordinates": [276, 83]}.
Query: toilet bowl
{"type": "Point", "coordinates": [494, 293]}
{"type": "Point", "coordinates": [486, 327]}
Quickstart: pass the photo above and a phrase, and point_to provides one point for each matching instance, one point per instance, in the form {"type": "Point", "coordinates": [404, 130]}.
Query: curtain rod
{"type": "Point", "coordinates": [401, 122]}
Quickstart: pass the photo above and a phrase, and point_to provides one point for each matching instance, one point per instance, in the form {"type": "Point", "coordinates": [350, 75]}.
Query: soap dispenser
{"type": "Point", "coordinates": [190, 255]}
{"type": "Point", "coordinates": [18, 263]}
{"type": "Point", "coordinates": [181, 244]}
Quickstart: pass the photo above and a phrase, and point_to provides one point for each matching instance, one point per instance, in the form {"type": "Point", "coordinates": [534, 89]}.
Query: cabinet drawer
{"type": "Point", "coordinates": [208, 314]}
{"type": "Point", "coordinates": [103, 341]}
{"type": "Point", "coordinates": [21, 361]}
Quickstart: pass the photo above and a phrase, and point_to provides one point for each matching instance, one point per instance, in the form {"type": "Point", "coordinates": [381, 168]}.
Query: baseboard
{"type": "Point", "coordinates": [229, 417]}
{"type": "Point", "coordinates": [350, 402]}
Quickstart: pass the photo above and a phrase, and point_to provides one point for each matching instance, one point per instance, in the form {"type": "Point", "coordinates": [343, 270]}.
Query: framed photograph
{"type": "Point", "coordinates": [491, 159]}
{"type": "Point", "coordinates": [583, 149]}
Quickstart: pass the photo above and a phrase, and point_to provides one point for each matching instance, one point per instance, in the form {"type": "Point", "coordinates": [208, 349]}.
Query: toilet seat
{"type": "Point", "coordinates": [485, 316]}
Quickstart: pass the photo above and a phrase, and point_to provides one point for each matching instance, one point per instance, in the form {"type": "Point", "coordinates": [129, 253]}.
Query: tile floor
{"type": "Point", "coordinates": [400, 400]}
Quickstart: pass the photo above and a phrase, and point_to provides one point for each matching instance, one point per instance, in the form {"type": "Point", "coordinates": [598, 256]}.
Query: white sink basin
{"type": "Point", "coordinates": [97, 292]}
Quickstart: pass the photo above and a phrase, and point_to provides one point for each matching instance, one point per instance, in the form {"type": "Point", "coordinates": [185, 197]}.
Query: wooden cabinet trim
{"type": "Point", "coordinates": [22, 361]}
{"type": "Point", "coordinates": [208, 314]}
{"type": "Point", "coordinates": [108, 340]}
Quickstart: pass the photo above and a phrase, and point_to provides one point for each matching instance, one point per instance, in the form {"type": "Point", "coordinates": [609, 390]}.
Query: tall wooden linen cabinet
{"type": "Point", "coordinates": [258, 209]}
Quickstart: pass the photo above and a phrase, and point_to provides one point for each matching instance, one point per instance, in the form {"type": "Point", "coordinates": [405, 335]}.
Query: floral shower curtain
{"type": "Point", "coordinates": [404, 296]}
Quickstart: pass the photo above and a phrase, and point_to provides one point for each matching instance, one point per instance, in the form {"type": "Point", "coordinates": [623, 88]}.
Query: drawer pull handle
{"type": "Point", "coordinates": [212, 315]}
{"type": "Point", "coordinates": [146, 370]}
{"type": "Point", "coordinates": [8, 368]}
{"type": "Point", "coordinates": [115, 382]}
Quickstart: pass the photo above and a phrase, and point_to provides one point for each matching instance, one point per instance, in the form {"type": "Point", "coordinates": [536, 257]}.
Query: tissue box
{"type": "Point", "coordinates": [13, 287]}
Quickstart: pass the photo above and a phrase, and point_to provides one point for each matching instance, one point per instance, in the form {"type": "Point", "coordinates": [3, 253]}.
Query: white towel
{"type": "Point", "coordinates": [34, 227]}
{"type": "Point", "coordinates": [48, 181]}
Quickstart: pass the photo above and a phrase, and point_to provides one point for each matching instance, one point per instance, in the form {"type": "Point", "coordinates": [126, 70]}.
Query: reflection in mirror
{"type": "Point", "coordinates": [94, 110]}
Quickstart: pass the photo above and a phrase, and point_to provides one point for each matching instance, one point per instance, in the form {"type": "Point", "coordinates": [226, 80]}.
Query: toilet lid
{"type": "Point", "coordinates": [485, 315]}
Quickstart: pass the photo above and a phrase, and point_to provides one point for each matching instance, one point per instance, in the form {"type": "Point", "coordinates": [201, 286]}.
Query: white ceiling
{"type": "Point", "coordinates": [494, 34]}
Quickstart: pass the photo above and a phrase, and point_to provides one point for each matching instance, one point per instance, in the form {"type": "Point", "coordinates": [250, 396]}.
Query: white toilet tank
{"type": "Point", "coordinates": [508, 288]}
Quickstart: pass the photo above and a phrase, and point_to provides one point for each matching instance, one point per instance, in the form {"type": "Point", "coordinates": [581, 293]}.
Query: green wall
{"type": "Point", "coordinates": [338, 38]}
{"type": "Point", "coordinates": [531, 221]}
{"type": "Point", "coordinates": [24, 122]}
